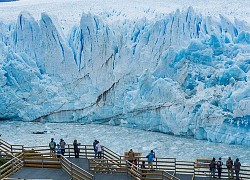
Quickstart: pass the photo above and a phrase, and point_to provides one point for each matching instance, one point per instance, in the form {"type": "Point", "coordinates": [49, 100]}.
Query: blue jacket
{"type": "Point", "coordinates": [58, 150]}
{"type": "Point", "coordinates": [151, 157]}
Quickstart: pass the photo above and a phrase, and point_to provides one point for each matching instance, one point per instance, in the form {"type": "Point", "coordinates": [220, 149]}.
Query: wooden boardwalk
{"type": "Point", "coordinates": [37, 162]}
{"type": "Point", "coordinates": [41, 173]}
{"type": "Point", "coordinates": [60, 174]}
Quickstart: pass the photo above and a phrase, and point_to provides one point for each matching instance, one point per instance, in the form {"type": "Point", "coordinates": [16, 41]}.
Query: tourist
{"type": "Point", "coordinates": [94, 146]}
{"type": "Point", "coordinates": [52, 146]}
{"type": "Point", "coordinates": [76, 148]}
{"type": "Point", "coordinates": [131, 156]}
{"type": "Point", "coordinates": [150, 157]}
{"type": "Point", "coordinates": [237, 165]}
{"type": "Point", "coordinates": [212, 167]}
{"type": "Point", "coordinates": [62, 145]}
{"type": "Point", "coordinates": [229, 165]}
{"type": "Point", "coordinates": [99, 150]}
{"type": "Point", "coordinates": [219, 167]}
{"type": "Point", "coordinates": [58, 150]}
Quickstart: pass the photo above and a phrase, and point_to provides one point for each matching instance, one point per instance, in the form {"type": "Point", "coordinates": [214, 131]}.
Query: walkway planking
{"type": "Point", "coordinates": [41, 173]}
{"type": "Point", "coordinates": [84, 164]}
{"type": "Point", "coordinates": [81, 162]}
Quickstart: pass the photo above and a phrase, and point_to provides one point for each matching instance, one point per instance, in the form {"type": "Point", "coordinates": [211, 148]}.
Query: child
{"type": "Point", "coordinates": [58, 150]}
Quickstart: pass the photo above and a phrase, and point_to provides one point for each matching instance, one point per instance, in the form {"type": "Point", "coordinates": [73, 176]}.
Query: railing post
{"type": "Point", "coordinates": [69, 150]}
{"type": "Point", "coordinates": [42, 161]}
{"type": "Point", "coordinates": [127, 167]}
{"type": "Point", "coordinates": [85, 151]}
{"type": "Point", "coordinates": [194, 171]}
{"type": "Point", "coordinates": [11, 148]}
{"type": "Point", "coordinates": [156, 162]}
{"type": "Point", "coordinates": [174, 165]}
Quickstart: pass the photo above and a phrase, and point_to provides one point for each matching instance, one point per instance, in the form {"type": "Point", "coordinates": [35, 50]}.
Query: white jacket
{"type": "Point", "coordinates": [98, 147]}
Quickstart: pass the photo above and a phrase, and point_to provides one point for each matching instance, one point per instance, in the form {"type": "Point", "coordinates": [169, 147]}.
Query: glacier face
{"type": "Point", "coordinates": [184, 74]}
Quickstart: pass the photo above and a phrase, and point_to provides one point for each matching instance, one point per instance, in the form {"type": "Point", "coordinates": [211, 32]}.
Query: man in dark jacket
{"type": "Point", "coordinates": [94, 146]}
{"type": "Point", "coordinates": [219, 167]}
{"type": "Point", "coordinates": [230, 168]}
{"type": "Point", "coordinates": [212, 167]}
{"type": "Point", "coordinates": [237, 168]}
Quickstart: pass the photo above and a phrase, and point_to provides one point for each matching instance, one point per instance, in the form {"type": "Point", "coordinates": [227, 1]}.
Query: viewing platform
{"type": "Point", "coordinates": [36, 162]}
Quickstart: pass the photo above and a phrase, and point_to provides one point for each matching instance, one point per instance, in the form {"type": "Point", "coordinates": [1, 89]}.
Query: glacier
{"type": "Point", "coordinates": [183, 74]}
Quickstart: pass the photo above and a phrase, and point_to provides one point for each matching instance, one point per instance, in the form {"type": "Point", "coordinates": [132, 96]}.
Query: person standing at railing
{"type": "Point", "coordinates": [230, 168]}
{"type": "Point", "coordinates": [219, 167]}
{"type": "Point", "coordinates": [99, 150]}
{"type": "Point", "coordinates": [62, 145]}
{"type": "Point", "coordinates": [52, 146]}
{"type": "Point", "coordinates": [76, 148]}
{"type": "Point", "coordinates": [131, 156]}
{"type": "Point", "coordinates": [212, 167]}
{"type": "Point", "coordinates": [94, 146]}
{"type": "Point", "coordinates": [150, 157]}
{"type": "Point", "coordinates": [237, 165]}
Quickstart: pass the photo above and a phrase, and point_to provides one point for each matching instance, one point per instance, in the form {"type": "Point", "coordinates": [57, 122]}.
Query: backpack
{"type": "Point", "coordinates": [52, 145]}
{"type": "Point", "coordinates": [229, 164]}
{"type": "Point", "coordinates": [211, 165]}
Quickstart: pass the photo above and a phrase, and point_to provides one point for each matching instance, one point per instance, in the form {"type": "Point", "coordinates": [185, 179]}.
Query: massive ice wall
{"type": "Point", "coordinates": [183, 74]}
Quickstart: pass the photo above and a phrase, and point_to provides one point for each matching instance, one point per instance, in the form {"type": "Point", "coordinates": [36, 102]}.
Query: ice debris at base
{"type": "Point", "coordinates": [120, 139]}
{"type": "Point", "coordinates": [184, 74]}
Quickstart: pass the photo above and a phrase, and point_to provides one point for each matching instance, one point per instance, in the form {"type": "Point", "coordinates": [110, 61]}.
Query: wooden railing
{"type": "Point", "coordinates": [45, 160]}
{"type": "Point", "coordinates": [74, 171]}
{"type": "Point", "coordinates": [134, 171]}
{"type": "Point", "coordinates": [107, 166]}
{"type": "Point", "coordinates": [11, 166]}
{"type": "Point", "coordinates": [148, 174]}
{"type": "Point", "coordinates": [4, 146]}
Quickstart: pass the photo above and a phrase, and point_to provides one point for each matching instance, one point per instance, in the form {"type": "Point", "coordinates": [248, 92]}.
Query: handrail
{"type": "Point", "coordinates": [134, 170]}
{"type": "Point", "coordinates": [74, 170]}
{"type": "Point", "coordinates": [170, 176]}
{"type": "Point", "coordinates": [11, 166]}
{"type": "Point", "coordinates": [112, 153]}
{"type": "Point", "coordinates": [5, 145]}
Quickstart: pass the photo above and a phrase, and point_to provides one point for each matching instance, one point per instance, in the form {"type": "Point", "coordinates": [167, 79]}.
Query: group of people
{"type": "Point", "coordinates": [57, 148]}
{"type": "Point", "coordinates": [230, 167]}
{"type": "Point", "coordinates": [97, 149]}
{"type": "Point", "coordinates": [150, 158]}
